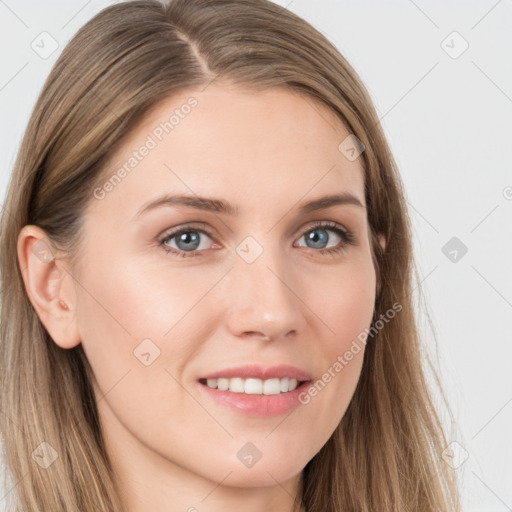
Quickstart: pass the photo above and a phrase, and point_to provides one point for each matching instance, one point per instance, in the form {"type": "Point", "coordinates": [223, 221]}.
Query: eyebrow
{"type": "Point", "coordinates": [220, 206]}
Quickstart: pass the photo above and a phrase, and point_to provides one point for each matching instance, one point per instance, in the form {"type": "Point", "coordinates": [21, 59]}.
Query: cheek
{"type": "Point", "coordinates": [346, 306]}
{"type": "Point", "coordinates": [350, 314]}
{"type": "Point", "coordinates": [345, 302]}
{"type": "Point", "coordinates": [129, 315]}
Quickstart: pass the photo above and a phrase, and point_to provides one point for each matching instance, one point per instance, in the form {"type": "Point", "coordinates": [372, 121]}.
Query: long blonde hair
{"type": "Point", "coordinates": [386, 453]}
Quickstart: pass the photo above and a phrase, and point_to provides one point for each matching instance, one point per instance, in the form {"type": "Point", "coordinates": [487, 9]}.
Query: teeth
{"type": "Point", "coordinates": [253, 386]}
{"type": "Point", "coordinates": [223, 384]}
{"type": "Point", "coordinates": [236, 385]}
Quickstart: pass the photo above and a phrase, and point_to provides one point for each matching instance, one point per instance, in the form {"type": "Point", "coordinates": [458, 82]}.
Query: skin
{"type": "Point", "coordinates": [172, 447]}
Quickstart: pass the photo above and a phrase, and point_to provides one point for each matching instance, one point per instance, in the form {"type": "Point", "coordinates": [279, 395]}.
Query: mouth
{"type": "Point", "coordinates": [254, 386]}
{"type": "Point", "coordinates": [256, 390]}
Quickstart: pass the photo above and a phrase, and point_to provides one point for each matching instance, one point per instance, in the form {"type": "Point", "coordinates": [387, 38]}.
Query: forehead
{"type": "Point", "coordinates": [229, 141]}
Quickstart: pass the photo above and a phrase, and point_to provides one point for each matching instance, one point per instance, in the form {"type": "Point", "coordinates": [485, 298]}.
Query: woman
{"type": "Point", "coordinates": [206, 278]}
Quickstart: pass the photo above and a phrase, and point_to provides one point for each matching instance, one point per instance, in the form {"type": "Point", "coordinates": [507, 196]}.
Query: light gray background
{"type": "Point", "coordinates": [448, 120]}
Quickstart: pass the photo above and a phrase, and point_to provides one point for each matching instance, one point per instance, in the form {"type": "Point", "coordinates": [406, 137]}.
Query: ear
{"type": "Point", "coordinates": [49, 286]}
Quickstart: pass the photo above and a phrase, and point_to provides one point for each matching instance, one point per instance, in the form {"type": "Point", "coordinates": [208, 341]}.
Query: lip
{"type": "Point", "coordinates": [256, 371]}
{"type": "Point", "coordinates": [257, 405]}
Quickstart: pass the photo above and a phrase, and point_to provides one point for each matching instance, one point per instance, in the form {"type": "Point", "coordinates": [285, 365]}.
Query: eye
{"type": "Point", "coordinates": [188, 241]}
{"type": "Point", "coordinates": [318, 236]}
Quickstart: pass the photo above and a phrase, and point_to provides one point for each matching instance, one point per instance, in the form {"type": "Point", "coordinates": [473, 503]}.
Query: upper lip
{"type": "Point", "coordinates": [256, 371]}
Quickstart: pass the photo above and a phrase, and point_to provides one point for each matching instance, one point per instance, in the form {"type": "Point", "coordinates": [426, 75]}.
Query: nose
{"type": "Point", "coordinates": [265, 298]}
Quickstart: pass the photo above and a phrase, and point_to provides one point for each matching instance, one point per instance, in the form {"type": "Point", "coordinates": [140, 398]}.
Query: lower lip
{"type": "Point", "coordinates": [257, 405]}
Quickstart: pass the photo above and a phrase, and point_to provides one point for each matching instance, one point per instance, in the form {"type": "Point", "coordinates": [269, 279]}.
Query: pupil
{"type": "Point", "coordinates": [314, 238]}
{"type": "Point", "coordinates": [186, 238]}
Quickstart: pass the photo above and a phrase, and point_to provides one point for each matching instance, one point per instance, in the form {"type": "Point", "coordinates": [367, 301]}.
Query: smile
{"type": "Point", "coordinates": [253, 386]}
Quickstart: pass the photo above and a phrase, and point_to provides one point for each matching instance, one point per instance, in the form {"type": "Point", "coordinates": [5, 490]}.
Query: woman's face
{"type": "Point", "coordinates": [261, 287]}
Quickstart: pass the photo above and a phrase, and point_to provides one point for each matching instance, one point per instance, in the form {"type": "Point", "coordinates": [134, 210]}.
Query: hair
{"type": "Point", "coordinates": [386, 453]}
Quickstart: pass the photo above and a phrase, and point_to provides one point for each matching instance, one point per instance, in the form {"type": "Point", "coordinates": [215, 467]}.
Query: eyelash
{"type": "Point", "coordinates": [347, 237]}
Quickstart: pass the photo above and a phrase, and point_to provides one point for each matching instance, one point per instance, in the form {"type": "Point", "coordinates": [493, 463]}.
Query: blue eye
{"type": "Point", "coordinates": [187, 239]}
{"type": "Point", "coordinates": [323, 228]}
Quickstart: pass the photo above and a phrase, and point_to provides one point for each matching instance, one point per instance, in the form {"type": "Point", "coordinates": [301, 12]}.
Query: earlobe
{"type": "Point", "coordinates": [48, 286]}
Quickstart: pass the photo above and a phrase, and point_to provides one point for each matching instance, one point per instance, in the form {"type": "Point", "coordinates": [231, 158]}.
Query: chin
{"type": "Point", "coordinates": [263, 476]}
{"type": "Point", "coordinates": [278, 467]}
